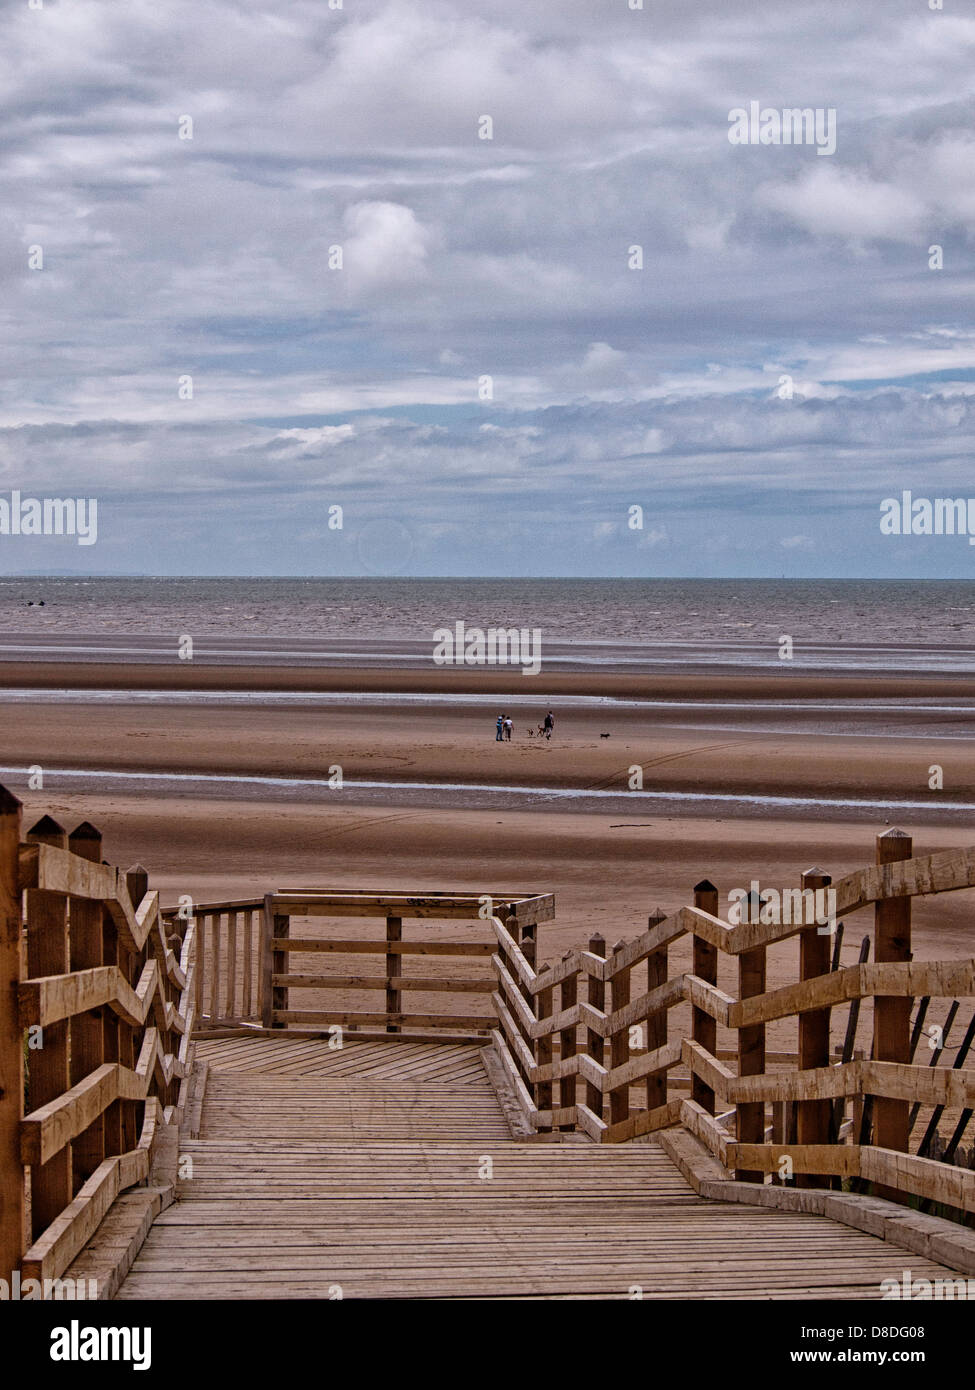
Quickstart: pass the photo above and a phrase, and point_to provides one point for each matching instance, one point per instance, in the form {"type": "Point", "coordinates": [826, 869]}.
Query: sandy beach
{"type": "Point", "coordinates": [608, 867]}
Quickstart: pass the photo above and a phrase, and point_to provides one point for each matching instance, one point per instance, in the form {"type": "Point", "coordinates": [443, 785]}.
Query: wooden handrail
{"type": "Point", "coordinates": [113, 1005]}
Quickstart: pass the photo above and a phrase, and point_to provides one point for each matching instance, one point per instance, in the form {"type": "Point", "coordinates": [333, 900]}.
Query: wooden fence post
{"type": "Point", "coordinates": [892, 1015]}
{"type": "Point", "coordinates": [272, 997]}
{"type": "Point", "coordinates": [619, 1045]}
{"type": "Point", "coordinates": [394, 969]}
{"type": "Point", "coordinates": [568, 998]}
{"type": "Point", "coordinates": [704, 1029]}
{"type": "Point", "coordinates": [543, 1008]}
{"type": "Point", "coordinates": [12, 1204]}
{"type": "Point", "coordinates": [751, 1045]}
{"type": "Point", "coordinates": [656, 1020]}
{"type": "Point", "coordinates": [123, 1121]}
{"type": "Point", "coordinates": [230, 1005]}
{"type": "Point", "coordinates": [513, 928]}
{"type": "Point", "coordinates": [596, 996]}
{"type": "Point", "coordinates": [89, 1031]}
{"type": "Point", "coordinates": [815, 950]}
{"type": "Point", "coordinates": [48, 953]}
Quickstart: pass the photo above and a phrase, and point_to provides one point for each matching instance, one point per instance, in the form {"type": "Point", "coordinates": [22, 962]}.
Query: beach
{"type": "Point", "coordinates": [222, 780]}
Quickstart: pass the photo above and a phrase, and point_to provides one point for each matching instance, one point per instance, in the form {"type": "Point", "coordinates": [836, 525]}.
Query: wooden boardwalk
{"type": "Point", "coordinates": [387, 1169]}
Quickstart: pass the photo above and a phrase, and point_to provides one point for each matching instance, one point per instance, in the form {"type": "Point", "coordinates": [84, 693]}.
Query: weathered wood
{"type": "Point", "coordinates": [431, 984]}
{"type": "Point", "coordinates": [656, 1020]}
{"type": "Point", "coordinates": [394, 934]}
{"type": "Point", "coordinates": [813, 1116]}
{"type": "Point", "coordinates": [313, 944]}
{"type": "Point", "coordinates": [527, 910]}
{"type": "Point", "coordinates": [750, 1124]}
{"type": "Point", "coordinates": [704, 1028]}
{"type": "Point", "coordinates": [230, 998]}
{"type": "Point", "coordinates": [943, 979]}
{"type": "Point", "coordinates": [568, 1085]}
{"type": "Point", "coordinates": [892, 1014]}
{"type": "Point", "coordinates": [543, 1048]}
{"type": "Point", "coordinates": [595, 1047]}
{"type": "Point", "coordinates": [930, 873]}
{"type": "Point", "coordinates": [269, 949]}
{"type": "Point", "coordinates": [282, 1016]}
{"type": "Point", "coordinates": [619, 1046]}
{"type": "Point", "coordinates": [48, 953]}
{"type": "Point", "coordinates": [88, 1033]}
{"type": "Point", "coordinates": [849, 1040]}
{"type": "Point", "coordinates": [250, 919]}
{"type": "Point", "coordinates": [12, 1193]}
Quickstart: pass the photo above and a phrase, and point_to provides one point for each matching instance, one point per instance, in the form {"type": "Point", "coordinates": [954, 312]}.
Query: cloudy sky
{"type": "Point", "coordinates": [486, 385]}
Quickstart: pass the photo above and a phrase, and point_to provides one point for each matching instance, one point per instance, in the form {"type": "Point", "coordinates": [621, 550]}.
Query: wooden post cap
{"type": "Point", "coordinates": [705, 886]}
{"type": "Point", "coordinates": [656, 917]}
{"type": "Point", "coordinates": [8, 802]}
{"type": "Point", "coordinates": [619, 946]}
{"type": "Point", "coordinates": [46, 831]}
{"type": "Point", "coordinates": [818, 874]}
{"type": "Point", "coordinates": [86, 831]}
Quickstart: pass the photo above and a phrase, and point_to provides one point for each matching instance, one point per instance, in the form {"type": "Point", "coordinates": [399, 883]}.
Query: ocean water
{"type": "Point", "coordinates": [835, 624]}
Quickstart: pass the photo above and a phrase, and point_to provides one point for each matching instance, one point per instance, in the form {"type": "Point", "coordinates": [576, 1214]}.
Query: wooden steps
{"type": "Point", "coordinates": [387, 1170]}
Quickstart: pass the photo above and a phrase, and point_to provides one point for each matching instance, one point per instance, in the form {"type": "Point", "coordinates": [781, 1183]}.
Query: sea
{"type": "Point", "coordinates": [897, 626]}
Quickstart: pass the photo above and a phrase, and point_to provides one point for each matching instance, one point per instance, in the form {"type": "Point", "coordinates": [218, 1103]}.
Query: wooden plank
{"type": "Point", "coordinates": [394, 934]}
{"type": "Point", "coordinates": [656, 1017]}
{"type": "Point", "coordinates": [644, 1122]}
{"type": "Point", "coordinates": [48, 953]}
{"type": "Point", "coordinates": [267, 957]}
{"type": "Point", "coordinates": [89, 933]}
{"type": "Point", "coordinates": [429, 983]}
{"type": "Point", "coordinates": [892, 1014]}
{"type": "Point", "coordinates": [619, 1045]}
{"type": "Point", "coordinates": [250, 920]}
{"type": "Point", "coordinates": [230, 999]}
{"type": "Point", "coordinates": [704, 1029]}
{"type": "Point", "coordinates": [595, 1046]}
{"type": "Point", "coordinates": [943, 872]}
{"type": "Point", "coordinates": [568, 998]}
{"type": "Point", "coordinates": [750, 1120]}
{"type": "Point", "coordinates": [216, 959]}
{"type": "Point", "coordinates": [940, 979]}
{"type": "Point", "coordinates": [377, 947]}
{"type": "Point", "coordinates": [464, 908]}
{"type": "Point", "coordinates": [12, 1192]}
{"type": "Point", "coordinates": [543, 1055]}
{"type": "Point", "coordinates": [812, 1116]}
{"type": "Point", "coordinates": [282, 1016]}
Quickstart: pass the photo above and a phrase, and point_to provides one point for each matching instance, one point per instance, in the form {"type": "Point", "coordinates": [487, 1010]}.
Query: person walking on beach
{"type": "Point", "coordinates": [549, 724]}
{"type": "Point", "coordinates": [500, 733]}
{"type": "Point", "coordinates": [508, 726]}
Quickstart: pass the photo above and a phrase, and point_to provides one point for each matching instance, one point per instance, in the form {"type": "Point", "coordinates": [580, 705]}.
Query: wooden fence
{"type": "Point", "coordinates": [95, 1039]}
{"type": "Point", "coordinates": [245, 973]}
{"type": "Point", "coordinates": [102, 993]}
{"type": "Point", "coordinates": [810, 1141]}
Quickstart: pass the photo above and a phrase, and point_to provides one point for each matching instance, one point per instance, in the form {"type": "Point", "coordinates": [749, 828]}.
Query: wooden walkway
{"type": "Point", "coordinates": [387, 1169]}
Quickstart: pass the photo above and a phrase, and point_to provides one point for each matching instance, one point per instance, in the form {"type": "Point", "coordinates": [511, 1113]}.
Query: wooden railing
{"type": "Point", "coordinates": [95, 1039]}
{"type": "Point", "coordinates": [609, 1045]}
{"type": "Point", "coordinates": [246, 974]}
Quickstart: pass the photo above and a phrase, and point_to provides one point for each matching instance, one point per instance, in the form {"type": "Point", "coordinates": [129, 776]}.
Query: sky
{"type": "Point", "coordinates": [488, 383]}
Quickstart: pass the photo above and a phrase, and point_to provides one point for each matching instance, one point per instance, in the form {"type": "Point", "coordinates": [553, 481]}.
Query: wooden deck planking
{"type": "Point", "coordinates": [362, 1168]}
